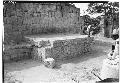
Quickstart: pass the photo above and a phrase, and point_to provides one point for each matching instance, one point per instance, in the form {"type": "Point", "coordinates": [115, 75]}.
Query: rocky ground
{"type": "Point", "coordinates": [75, 70]}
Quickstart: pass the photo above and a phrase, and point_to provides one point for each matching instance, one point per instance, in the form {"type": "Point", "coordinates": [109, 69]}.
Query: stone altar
{"type": "Point", "coordinates": [60, 47]}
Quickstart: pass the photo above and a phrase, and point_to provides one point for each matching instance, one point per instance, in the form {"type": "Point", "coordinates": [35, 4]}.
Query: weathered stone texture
{"type": "Point", "coordinates": [69, 48]}
{"type": "Point", "coordinates": [22, 19]}
{"type": "Point", "coordinates": [63, 49]}
{"type": "Point", "coordinates": [41, 18]}
{"type": "Point", "coordinates": [16, 53]}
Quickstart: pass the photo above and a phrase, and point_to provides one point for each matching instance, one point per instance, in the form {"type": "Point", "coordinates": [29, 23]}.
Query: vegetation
{"type": "Point", "coordinates": [110, 11]}
{"type": "Point", "coordinates": [92, 21]}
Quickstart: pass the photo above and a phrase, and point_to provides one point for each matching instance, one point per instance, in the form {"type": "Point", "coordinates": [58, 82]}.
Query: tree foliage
{"type": "Point", "coordinates": [105, 8]}
{"type": "Point", "coordinates": [110, 11]}
{"type": "Point", "coordinates": [92, 21]}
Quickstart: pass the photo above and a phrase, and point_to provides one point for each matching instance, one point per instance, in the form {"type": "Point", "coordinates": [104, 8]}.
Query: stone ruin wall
{"type": "Point", "coordinates": [53, 16]}
{"type": "Point", "coordinates": [38, 18]}
{"type": "Point", "coordinates": [59, 49]}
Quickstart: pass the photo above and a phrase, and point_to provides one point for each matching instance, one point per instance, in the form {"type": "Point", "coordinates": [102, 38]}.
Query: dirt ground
{"type": "Point", "coordinates": [73, 70]}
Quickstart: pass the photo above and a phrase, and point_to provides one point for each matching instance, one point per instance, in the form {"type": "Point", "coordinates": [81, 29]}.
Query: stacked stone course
{"type": "Point", "coordinates": [40, 18]}
{"type": "Point", "coordinates": [16, 53]}
{"type": "Point", "coordinates": [23, 19]}
{"type": "Point", "coordinates": [61, 49]}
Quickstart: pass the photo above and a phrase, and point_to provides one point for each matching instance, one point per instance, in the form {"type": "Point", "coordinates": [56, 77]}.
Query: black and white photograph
{"type": "Point", "coordinates": [60, 42]}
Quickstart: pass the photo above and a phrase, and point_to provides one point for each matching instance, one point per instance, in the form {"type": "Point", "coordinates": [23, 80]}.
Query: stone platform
{"type": "Point", "coordinates": [60, 47]}
{"type": "Point", "coordinates": [16, 52]}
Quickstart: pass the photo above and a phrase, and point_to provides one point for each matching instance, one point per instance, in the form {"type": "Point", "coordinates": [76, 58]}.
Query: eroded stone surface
{"type": "Point", "coordinates": [63, 47]}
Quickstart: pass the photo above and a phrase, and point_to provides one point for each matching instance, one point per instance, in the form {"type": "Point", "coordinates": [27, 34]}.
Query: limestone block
{"type": "Point", "coordinates": [68, 49]}
{"type": "Point", "coordinates": [16, 53]}
{"type": "Point", "coordinates": [49, 62]}
{"type": "Point", "coordinates": [60, 49]}
{"type": "Point", "coordinates": [38, 53]}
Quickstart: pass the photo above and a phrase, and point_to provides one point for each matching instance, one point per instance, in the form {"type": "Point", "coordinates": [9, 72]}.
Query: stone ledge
{"type": "Point", "coordinates": [61, 48]}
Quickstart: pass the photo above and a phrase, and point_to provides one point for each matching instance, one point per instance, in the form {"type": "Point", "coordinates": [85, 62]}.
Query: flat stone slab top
{"type": "Point", "coordinates": [37, 38]}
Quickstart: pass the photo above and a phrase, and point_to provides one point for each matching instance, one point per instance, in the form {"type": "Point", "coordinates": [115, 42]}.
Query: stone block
{"type": "Point", "coordinates": [15, 53]}
{"type": "Point", "coordinates": [65, 48]}
{"type": "Point", "coordinates": [49, 62]}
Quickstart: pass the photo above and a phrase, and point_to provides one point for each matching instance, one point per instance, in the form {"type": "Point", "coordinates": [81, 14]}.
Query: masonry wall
{"type": "Point", "coordinates": [40, 18]}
